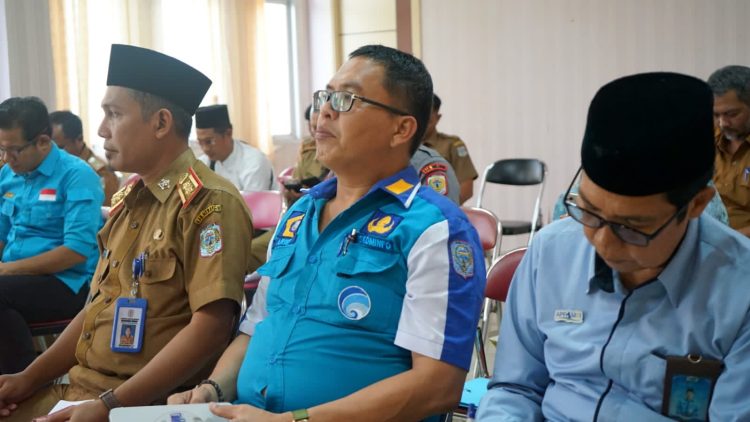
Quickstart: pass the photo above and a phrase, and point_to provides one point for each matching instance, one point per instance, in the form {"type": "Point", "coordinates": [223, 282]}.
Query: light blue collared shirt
{"type": "Point", "coordinates": [56, 204]}
{"type": "Point", "coordinates": [615, 356]}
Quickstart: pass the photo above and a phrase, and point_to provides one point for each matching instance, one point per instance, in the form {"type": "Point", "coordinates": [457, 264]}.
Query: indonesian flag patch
{"type": "Point", "coordinates": [48, 195]}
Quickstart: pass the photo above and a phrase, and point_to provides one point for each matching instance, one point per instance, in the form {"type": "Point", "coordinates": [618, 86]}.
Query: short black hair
{"type": "Point", "coordinates": [679, 197]}
{"type": "Point", "coordinates": [406, 80]}
{"type": "Point", "coordinates": [436, 103]}
{"type": "Point", "coordinates": [150, 104]}
{"type": "Point", "coordinates": [731, 78]}
{"type": "Point", "coordinates": [70, 123]}
{"type": "Point", "coordinates": [28, 113]}
{"type": "Point", "coordinates": [308, 111]}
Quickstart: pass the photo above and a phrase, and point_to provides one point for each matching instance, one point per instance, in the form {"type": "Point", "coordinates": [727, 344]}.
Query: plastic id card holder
{"type": "Point", "coordinates": [127, 329]}
{"type": "Point", "coordinates": [688, 385]}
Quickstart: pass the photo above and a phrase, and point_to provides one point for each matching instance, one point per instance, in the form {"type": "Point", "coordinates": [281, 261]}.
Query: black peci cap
{"type": "Point", "coordinates": [649, 133]}
{"type": "Point", "coordinates": [213, 116]}
{"type": "Point", "coordinates": [149, 71]}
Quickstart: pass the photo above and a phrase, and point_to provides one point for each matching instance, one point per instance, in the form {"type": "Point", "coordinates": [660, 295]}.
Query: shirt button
{"type": "Point", "coordinates": [273, 359]}
{"type": "Point", "coordinates": [297, 310]}
{"type": "Point", "coordinates": [107, 299]}
{"type": "Point", "coordinates": [87, 336]}
{"type": "Point", "coordinates": [134, 225]}
{"type": "Point", "coordinates": [313, 259]}
{"type": "Point", "coordinates": [115, 263]}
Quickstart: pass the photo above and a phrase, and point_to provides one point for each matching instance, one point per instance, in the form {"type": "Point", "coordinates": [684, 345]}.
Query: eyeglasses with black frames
{"type": "Point", "coordinates": [342, 101]}
{"type": "Point", "coordinates": [623, 232]}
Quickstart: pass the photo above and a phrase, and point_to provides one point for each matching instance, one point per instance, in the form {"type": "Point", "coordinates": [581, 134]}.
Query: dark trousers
{"type": "Point", "coordinates": [26, 299]}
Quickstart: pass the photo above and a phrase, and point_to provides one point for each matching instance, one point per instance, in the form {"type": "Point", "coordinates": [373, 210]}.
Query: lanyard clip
{"type": "Point", "coordinates": [139, 268]}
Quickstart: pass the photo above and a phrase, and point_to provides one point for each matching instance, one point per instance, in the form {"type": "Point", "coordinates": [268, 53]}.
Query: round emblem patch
{"type": "Point", "coordinates": [354, 303]}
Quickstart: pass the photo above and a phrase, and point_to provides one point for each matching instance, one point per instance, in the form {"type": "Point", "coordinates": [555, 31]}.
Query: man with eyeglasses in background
{"type": "Point", "coordinates": [67, 132]}
{"type": "Point", "coordinates": [243, 165]}
{"type": "Point", "coordinates": [615, 312]}
{"type": "Point", "coordinates": [49, 215]}
{"type": "Point", "coordinates": [368, 304]}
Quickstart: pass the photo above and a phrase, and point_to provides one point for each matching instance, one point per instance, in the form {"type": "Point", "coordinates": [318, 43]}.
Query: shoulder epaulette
{"type": "Point", "coordinates": [188, 186]}
{"type": "Point", "coordinates": [118, 198]}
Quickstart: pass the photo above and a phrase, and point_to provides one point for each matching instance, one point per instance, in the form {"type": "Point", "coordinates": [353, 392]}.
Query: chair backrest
{"type": "Point", "coordinates": [517, 172]}
{"type": "Point", "coordinates": [501, 273]}
{"type": "Point", "coordinates": [488, 226]}
{"type": "Point", "coordinates": [265, 206]}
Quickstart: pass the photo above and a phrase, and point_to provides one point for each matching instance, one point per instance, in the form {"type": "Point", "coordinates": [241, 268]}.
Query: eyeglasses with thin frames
{"type": "Point", "coordinates": [342, 101]}
{"type": "Point", "coordinates": [16, 151]}
{"type": "Point", "coordinates": [623, 232]}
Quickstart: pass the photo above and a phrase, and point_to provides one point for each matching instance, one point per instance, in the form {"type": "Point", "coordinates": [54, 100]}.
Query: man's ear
{"type": "Point", "coordinates": [700, 201]}
{"type": "Point", "coordinates": [406, 127]}
{"type": "Point", "coordinates": [163, 122]}
{"type": "Point", "coordinates": [228, 132]}
{"type": "Point", "coordinates": [45, 142]}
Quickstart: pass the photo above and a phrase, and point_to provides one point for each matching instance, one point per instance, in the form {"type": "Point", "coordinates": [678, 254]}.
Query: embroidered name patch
{"type": "Point", "coordinates": [206, 212]}
{"type": "Point", "coordinates": [463, 258]}
{"type": "Point", "coordinates": [354, 303]}
{"type": "Point", "coordinates": [211, 242]}
{"type": "Point", "coordinates": [569, 315]}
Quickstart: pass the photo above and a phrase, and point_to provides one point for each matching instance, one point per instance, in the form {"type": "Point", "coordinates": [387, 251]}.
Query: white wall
{"type": "Point", "coordinates": [29, 50]}
{"type": "Point", "coordinates": [4, 68]}
{"type": "Point", "coordinates": [516, 76]}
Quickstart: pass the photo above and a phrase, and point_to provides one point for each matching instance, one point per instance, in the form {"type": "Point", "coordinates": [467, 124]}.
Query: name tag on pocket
{"type": "Point", "coordinates": [569, 315]}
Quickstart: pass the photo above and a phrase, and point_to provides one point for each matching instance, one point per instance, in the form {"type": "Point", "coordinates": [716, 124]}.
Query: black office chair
{"type": "Point", "coordinates": [517, 172]}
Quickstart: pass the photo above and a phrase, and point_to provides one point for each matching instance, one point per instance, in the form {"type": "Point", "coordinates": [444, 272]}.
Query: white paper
{"type": "Point", "coordinates": [166, 413]}
{"type": "Point", "coordinates": [62, 404]}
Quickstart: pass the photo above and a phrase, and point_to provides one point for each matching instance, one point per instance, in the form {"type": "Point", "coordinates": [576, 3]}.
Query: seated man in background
{"type": "Point", "coordinates": [67, 132]}
{"type": "Point", "coordinates": [49, 215]}
{"type": "Point", "coordinates": [308, 171]}
{"type": "Point", "coordinates": [173, 256]}
{"type": "Point", "coordinates": [368, 305]}
{"type": "Point", "coordinates": [453, 149]}
{"type": "Point", "coordinates": [731, 88]}
{"type": "Point", "coordinates": [614, 312]}
{"type": "Point", "coordinates": [243, 165]}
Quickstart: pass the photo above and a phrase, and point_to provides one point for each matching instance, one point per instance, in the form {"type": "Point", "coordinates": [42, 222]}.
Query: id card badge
{"type": "Point", "coordinates": [688, 386]}
{"type": "Point", "coordinates": [127, 330]}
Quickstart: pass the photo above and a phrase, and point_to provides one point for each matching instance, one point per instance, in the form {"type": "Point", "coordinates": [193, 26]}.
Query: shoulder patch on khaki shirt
{"type": "Point", "coordinates": [212, 208]}
{"type": "Point", "coordinates": [189, 186]}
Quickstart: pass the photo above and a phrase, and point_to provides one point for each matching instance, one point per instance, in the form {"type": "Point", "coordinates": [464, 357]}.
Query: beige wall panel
{"type": "Point", "coordinates": [367, 16]}
{"type": "Point", "coordinates": [350, 43]}
{"type": "Point", "coordinates": [516, 77]}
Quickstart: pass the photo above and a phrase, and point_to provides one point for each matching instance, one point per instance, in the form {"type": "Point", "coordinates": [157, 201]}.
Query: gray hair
{"type": "Point", "coordinates": [732, 78]}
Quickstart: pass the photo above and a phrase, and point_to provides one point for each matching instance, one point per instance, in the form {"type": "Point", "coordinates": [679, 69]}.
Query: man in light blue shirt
{"type": "Point", "coordinates": [606, 303]}
{"type": "Point", "coordinates": [49, 215]}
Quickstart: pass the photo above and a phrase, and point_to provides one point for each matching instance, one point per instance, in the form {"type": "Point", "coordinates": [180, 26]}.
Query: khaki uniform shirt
{"type": "Point", "coordinates": [307, 165]}
{"type": "Point", "coordinates": [732, 179]}
{"type": "Point", "coordinates": [198, 243]}
{"type": "Point", "coordinates": [110, 182]}
{"type": "Point", "coordinates": [453, 149]}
